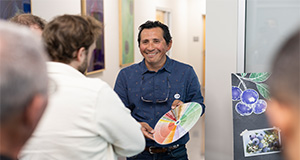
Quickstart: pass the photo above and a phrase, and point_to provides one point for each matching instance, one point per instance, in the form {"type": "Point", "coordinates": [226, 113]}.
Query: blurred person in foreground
{"type": "Point", "coordinates": [284, 106]}
{"type": "Point", "coordinates": [35, 23]}
{"type": "Point", "coordinates": [23, 87]}
{"type": "Point", "coordinates": [85, 119]}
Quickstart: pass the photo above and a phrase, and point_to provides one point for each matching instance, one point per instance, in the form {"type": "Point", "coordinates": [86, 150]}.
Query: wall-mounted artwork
{"type": "Point", "coordinates": [261, 142]}
{"type": "Point", "coordinates": [249, 95]}
{"type": "Point", "coordinates": [94, 8]}
{"type": "Point", "coordinates": [9, 8]}
{"type": "Point", "coordinates": [126, 23]}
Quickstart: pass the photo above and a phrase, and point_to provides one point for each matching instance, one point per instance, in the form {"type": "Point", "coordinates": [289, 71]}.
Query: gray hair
{"type": "Point", "coordinates": [23, 72]}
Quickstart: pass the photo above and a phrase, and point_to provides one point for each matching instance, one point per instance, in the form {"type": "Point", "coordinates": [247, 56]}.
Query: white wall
{"type": "Point", "coordinates": [183, 49]}
{"type": "Point", "coordinates": [48, 9]}
{"type": "Point", "coordinates": [221, 53]}
{"type": "Point", "coordinates": [195, 29]}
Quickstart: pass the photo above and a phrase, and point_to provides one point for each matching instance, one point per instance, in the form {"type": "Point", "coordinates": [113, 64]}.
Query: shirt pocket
{"type": "Point", "coordinates": [140, 109]}
{"type": "Point", "coordinates": [177, 92]}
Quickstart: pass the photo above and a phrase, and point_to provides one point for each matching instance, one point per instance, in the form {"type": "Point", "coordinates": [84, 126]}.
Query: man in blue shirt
{"type": "Point", "coordinates": [154, 86]}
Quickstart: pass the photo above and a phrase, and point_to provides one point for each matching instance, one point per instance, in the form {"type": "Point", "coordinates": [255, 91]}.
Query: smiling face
{"type": "Point", "coordinates": [153, 47]}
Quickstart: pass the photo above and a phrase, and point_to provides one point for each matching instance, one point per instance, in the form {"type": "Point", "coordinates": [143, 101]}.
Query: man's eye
{"type": "Point", "coordinates": [156, 41]}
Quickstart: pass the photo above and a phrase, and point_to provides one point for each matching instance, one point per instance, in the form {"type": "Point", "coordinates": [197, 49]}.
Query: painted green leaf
{"type": "Point", "coordinates": [259, 77]}
{"type": "Point", "coordinates": [263, 90]}
{"type": "Point", "coordinates": [243, 74]}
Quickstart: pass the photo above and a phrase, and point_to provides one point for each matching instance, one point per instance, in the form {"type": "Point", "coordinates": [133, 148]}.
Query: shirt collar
{"type": "Point", "coordinates": [62, 68]}
{"type": "Point", "coordinates": [166, 67]}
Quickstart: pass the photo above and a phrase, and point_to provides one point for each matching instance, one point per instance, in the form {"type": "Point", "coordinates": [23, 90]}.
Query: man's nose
{"type": "Point", "coordinates": [150, 46]}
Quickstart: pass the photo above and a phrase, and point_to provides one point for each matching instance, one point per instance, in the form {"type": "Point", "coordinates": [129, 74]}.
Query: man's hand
{"type": "Point", "coordinates": [176, 103]}
{"type": "Point", "coordinates": [147, 130]}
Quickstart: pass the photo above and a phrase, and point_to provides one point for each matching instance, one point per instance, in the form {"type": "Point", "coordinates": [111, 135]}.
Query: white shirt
{"type": "Point", "coordinates": [84, 120]}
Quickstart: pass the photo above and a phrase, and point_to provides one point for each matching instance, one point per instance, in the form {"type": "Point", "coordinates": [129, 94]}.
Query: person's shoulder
{"type": "Point", "coordinates": [95, 83]}
{"type": "Point", "coordinates": [131, 67]}
{"type": "Point", "coordinates": [181, 64]}
{"type": "Point", "coordinates": [134, 68]}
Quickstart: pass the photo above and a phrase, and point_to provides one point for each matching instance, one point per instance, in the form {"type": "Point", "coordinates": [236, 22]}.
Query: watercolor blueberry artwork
{"type": "Point", "coordinates": [249, 95]}
{"type": "Point", "coordinates": [247, 91]}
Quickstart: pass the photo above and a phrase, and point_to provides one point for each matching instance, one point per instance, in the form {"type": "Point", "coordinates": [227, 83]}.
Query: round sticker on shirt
{"type": "Point", "coordinates": [177, 96]}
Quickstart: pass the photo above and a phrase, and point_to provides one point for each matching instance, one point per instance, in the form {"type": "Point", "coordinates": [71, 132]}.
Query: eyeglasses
{"type": "Point", "coordinates": [158, 100]}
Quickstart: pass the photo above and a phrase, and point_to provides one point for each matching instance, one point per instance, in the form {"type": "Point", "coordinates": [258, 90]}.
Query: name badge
{"type": "Point", "coordinates": [177, 96]}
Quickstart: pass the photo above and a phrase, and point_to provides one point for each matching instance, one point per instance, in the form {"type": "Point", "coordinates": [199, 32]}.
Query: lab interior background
{"type": "Point", "coordinates": [210, 35]}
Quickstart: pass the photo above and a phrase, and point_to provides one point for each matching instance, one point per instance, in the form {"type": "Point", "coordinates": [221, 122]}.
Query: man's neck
{"type": "Point", "coordinates": [156, 67]}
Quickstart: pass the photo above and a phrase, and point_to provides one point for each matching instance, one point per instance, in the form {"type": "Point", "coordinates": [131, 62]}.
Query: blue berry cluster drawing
{"type": "Point", "coordinates": [248, 98]}
{"type": "Point", "coordinates": [263, 141]}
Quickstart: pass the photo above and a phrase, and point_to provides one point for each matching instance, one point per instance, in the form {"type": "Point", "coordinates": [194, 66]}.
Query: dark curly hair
{"type": "Point", "coordinates": [154, 24]}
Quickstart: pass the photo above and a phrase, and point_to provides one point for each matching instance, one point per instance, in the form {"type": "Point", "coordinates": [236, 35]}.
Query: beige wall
{"type": "Point", "coordinates": [186, 22]}
{"type": "Point", "coordinates": [221, 53]}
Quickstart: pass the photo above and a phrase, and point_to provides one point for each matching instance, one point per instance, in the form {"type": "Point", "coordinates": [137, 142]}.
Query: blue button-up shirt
{"type": "Point", "coordinates": [149, 95]}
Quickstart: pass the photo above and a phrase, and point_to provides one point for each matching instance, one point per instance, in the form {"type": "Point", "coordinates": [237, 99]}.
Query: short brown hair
{"type": "Point", "coordinates": [28, 20]}
{"type": "Point", "coordinates": [284, 82]}
{"type": "Point", "coordinates": [68, 33]}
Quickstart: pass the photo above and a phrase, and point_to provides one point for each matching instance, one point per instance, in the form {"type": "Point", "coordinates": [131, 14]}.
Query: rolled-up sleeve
{"type": "Point", "coordinates": [194, 90]}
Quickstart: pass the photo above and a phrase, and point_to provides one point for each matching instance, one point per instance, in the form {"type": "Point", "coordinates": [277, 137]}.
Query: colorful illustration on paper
{"type": "Point", "coordinates": [9, 8]}
{"type": "Point", "coordinates": [261, 142]}
{"type": "Point", "coordinates": [126, 32]}
{"type": "Point", "coordinates": [177, 122]}
{"type": "Point", "coordinates": [94, 8]}
{"type": "Point", "coordinates": [248, 96]}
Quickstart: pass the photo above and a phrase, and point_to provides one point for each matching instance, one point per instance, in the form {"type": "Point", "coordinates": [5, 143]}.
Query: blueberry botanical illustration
{"type": "Point", "coordinates": [248, 97]}
{"type": "Point", "coordinates": [263, 141]}
{"type": "Point", "coordinates": [243, 109]}
{"type": "Point", "coordinates": [236, 93]}
{"type": "Point", "coordinates": [260, 106]}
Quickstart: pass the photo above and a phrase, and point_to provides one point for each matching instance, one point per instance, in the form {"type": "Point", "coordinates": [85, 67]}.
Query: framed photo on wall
{"type": "Point", "coordinates": [126, 30]}
{"type": "Point", "coordinates": [9, 8]}
{"type": "Point", "coordinates": [94, 8]}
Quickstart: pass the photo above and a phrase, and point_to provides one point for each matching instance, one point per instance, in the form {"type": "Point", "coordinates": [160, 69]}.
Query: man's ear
{"type": "Point", "coordinates": [170, 45]}
{"type": "Point", "coordinates": [81, 54]}
{"type": "Point", "coordinates": [35, 110]}
{"type": "Point", "coordinates": [279, 114]}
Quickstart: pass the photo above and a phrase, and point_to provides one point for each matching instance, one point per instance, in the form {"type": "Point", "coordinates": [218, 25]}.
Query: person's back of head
{"type": "Point", "coordinates": [34, 22]}
{"type": "Point", "coordinates": [284, 85]}
{"type": "Point", "coordinates": [23, 86]}
{"type": "Point", "coordinates": [66, 34]}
